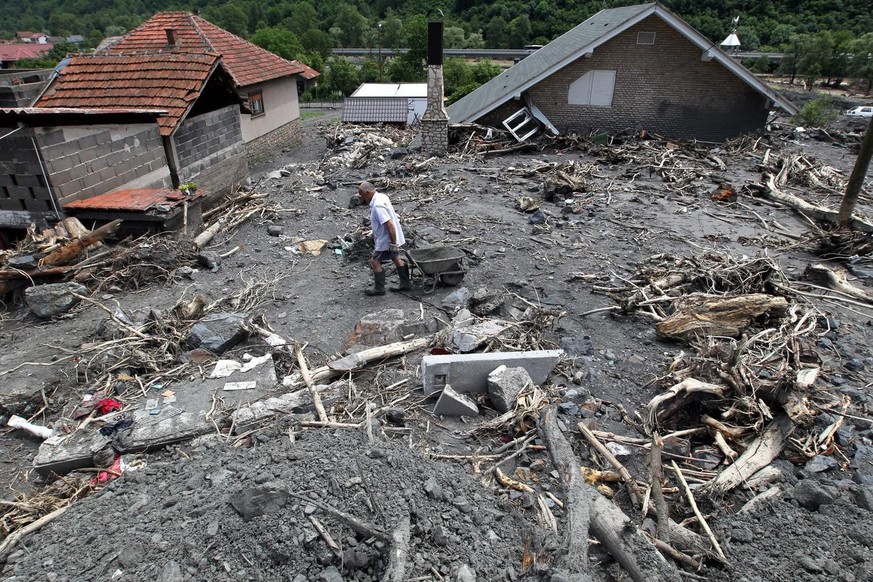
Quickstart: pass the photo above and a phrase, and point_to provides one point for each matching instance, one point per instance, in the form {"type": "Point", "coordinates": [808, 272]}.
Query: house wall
{"type": "Point", "coordinates": [663, 88]}
{"type": "Point", "coordinates": [210, 151]}
{"type": "Point", "coordinates": [80, 161]}
{"type": "Point", "coordinates": [280, 123]}
{"type": "Point", "coordinates": [20, 88]}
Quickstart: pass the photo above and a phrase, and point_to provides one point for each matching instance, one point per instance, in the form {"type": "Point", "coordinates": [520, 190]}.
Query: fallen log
{"type": "Point", "coordinates": [702, 314]}
{"type": "Point", "coordinates": [817, 212]}
{"type": "Point", "coordinates": [836, 280]}
{"type": "Point", "coordinates": [71, 250]}
{"type": "Point", "coordinates": [758, 455]}
{"type": "Point", "coordinates": [588, 509]}
{"type": "Point", "coordinates": [358, 360]}
{"type": "Point", "coordinates": [397, 554]}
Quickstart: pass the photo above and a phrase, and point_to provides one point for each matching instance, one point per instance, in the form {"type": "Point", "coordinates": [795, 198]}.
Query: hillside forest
{"type": "Point", "coordinates": [830, 40]}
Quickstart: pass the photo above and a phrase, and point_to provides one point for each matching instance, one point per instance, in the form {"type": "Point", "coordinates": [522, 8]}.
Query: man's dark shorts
{"type": "Point", "coordinates": [385, 256]}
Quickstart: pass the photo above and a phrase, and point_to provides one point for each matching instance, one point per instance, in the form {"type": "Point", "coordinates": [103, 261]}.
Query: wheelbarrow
{"type": "Point", "coordinates": [433, 265]}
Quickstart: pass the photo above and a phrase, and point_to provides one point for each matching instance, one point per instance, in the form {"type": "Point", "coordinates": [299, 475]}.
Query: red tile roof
{"type": "Point", "coordinates": [157, 81]}
{"type": "Point", "coordinates": [14, 51]}
{"type": "Point", "coordinates": [246, 63]}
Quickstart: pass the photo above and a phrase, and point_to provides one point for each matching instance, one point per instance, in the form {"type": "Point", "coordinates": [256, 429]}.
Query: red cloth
{"type": "Point", "coordinates": [107, 405]}
{"type": "Point", "coordinates": [107, 476]}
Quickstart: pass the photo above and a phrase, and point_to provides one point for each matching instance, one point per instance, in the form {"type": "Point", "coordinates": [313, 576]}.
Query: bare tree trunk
{"type": "Point", "coordinates": [857, 178]}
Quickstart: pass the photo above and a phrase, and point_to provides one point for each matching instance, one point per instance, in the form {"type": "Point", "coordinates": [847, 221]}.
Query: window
{"type": "Point", "coordinates": [593, 88]}
{"type": "Point", "coordinates": [645, 38]}
{"type": "Point", "coordinates": [256, 103]}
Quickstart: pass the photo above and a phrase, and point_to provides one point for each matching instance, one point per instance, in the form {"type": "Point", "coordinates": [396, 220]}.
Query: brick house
{"type": "Point", "coordinates": [160, 107]}
{"type": "Point", "coordinates": [637, 67]}
{"type": "Point", "coordinates": [266, 83]}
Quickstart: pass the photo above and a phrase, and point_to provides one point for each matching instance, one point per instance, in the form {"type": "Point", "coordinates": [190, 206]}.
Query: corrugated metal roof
{"type": "Point", "coordinates": [375, 110]}
{"type": "Point", "coordinates": [572, 45]}
{"type": "Point", "coordinates": [411, 90]}
{"type": "Point", "coordinates": [135, 200]}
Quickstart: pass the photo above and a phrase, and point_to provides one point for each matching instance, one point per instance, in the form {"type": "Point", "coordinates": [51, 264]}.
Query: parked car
{"type": "Point", "coordinates": [861, 111]}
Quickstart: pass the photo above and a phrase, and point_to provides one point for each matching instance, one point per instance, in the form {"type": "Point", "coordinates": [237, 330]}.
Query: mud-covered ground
{"type": "Point", "coordinates": [225, 508]}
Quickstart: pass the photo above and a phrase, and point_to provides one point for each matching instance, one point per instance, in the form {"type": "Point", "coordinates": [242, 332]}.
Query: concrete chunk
{"type": "Point", "coordinates": [469, 372]}
{"type": "Point", "coordinates": [218, 332]}
{"type": "Point", "coordinates": [504, 385]}
{"type": "Point", "coordinates": [466, 339]}
{"type": "Point", "coordinates": [451, 403]}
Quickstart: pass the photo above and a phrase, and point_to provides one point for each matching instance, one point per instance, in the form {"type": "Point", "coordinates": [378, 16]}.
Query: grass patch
{"type": "Point", "coordinates": [310, 114]}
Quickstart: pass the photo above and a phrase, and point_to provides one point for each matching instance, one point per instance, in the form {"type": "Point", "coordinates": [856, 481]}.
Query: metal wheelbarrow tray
{"type": "Point", "coordinates": [436, 265]}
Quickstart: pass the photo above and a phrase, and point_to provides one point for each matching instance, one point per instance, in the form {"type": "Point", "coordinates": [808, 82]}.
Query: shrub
{"type": "Point", "coordinates": [818, 112]}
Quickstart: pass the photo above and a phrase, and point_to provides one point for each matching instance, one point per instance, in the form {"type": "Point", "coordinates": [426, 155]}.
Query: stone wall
{"type": "Point", "coordinates": [269, 144]}
{"type": "Point", "coordinates": [663, 88]}
{"type": "Point", "coordinates": [210, 151]}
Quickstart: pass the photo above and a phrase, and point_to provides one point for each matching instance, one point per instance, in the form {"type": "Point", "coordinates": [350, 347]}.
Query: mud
{"type": "Point", "coordinates": [209, 510]}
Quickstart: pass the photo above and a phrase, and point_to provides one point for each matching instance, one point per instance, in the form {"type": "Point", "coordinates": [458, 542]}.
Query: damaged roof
{"type": "Point", "coordinates": [186, 33]}
{"type": "Point", "coordinates": [583, 39]}
{"type": "Point", "coordinates": [167, 81]}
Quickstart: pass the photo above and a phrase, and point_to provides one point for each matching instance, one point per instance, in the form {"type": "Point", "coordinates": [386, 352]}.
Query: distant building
{"type": "Point", "coordinates": [386, 103]}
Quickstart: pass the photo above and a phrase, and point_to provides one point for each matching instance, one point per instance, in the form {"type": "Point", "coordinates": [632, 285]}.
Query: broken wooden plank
{"type": "Point", "coordinates": [760, 453]}
{"type": "Point", "coordinates": [703, 314]}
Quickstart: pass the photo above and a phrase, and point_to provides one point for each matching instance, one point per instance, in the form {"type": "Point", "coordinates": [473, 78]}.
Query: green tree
{"type": "Point", "coordinates": [301, 18]}
{"type": "Point", "coordinates": [496, 32]}
{"type": "Point", "coordinates": [341, 77]}
{"type": "Point", "coordinates": [63, 24]}
{"type": "Point", "coordinates": [456, 73]}
{"type": "Point", "coordinates": [817, 112]}
{"type": "Point", "coordinates": [316, 41]}
{"type": "Point", "coordinates": [861, 63]}
{"type": "Point", "coordinates": [278, 41]}
{"type": "Point", "coordinates": [351, 24]}
{"type": "Point", "coordinates": [519, 31]}
{"type": "Point", "coordinates": [50, 59]}
{"type": "Point", "coordinates": [230, 17]}
{"type": "Point", "coordinates": [454, 37]}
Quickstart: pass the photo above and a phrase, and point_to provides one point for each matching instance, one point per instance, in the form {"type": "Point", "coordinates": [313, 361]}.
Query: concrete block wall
{"type": "Point", "coordinates": [210, 150]}
{"type": "Point", "coordinates": [663, 88]}
{"type": "Point", "coordinates": [85, 161]}
{"type": "Point", "coordinates": [22, 183]}
{"type": "Point", "coordinates": [268, 144]}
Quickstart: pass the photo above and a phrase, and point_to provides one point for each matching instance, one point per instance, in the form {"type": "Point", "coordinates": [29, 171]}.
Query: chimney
{"type": "Point", "coordinates": [171, 36]}
{"type": "Point", "coordinates": [435, 121]}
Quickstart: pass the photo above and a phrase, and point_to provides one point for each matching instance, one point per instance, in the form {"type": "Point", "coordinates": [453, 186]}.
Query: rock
{"type": "Point", "coordinates": [864, 497]}
{"type": "Point", "coordinates": [465, 574]}
{"type": "Point", "coordinates": [450, 403]}
{"type": "Point", "coordinates": [52, 299]}
{"type": "Point", "coordinates": [274, 230]}
{"type": "Point", "coordinates": [457, 298]}
{"type": "Point", "coordinates": [253, 502]}
{"type": "Point", "coordinates": [467, 339]}
{"type": "Point", "coordinates": [538, 217]}
{"type": "Point", "coordinates": [171, 572]}
{"type": "Point", "coordinates": [379, 328]}
{"type": "Point", "coordinates": [395, 416]}
{"type": "Point", "coordinates": [398, 153]}
{"type": "Point", "coordinates": [577, 346]}
{"type": "Point", "coordinates": [620, 451]}
{"type": "Point", "coordinates": [330, 574]}
{"type": "Point", "coordinates": [820, 464]}
{"type": "Point", "coordinates": [504, 385]}
{"type": "Point", "coordinates": [811, 495]}
{"type": "Point", "coordinates": [862, 463]}
{"type": "Point", "coordinates": [23, 262]}
{"type": "Point", "coordinates": [209, 259]}
{"type": "Point", "coordinates": [218, 332]}
{"type": "Point", "coordinates": [433, 489]}
{"type": "Point", "coordinates": [810, 565]}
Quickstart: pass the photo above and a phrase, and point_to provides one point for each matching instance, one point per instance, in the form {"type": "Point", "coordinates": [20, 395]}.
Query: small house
{"type": "Point", "coordinates": [636, 67]}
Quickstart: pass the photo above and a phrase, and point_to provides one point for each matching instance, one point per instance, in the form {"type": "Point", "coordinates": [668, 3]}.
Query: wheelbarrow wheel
{"type": "Point", "coordinates": [451, 279]}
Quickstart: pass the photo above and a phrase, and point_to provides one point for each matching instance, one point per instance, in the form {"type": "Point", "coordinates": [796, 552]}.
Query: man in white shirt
{"type": "Point", "coordinates": [387, 239]}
